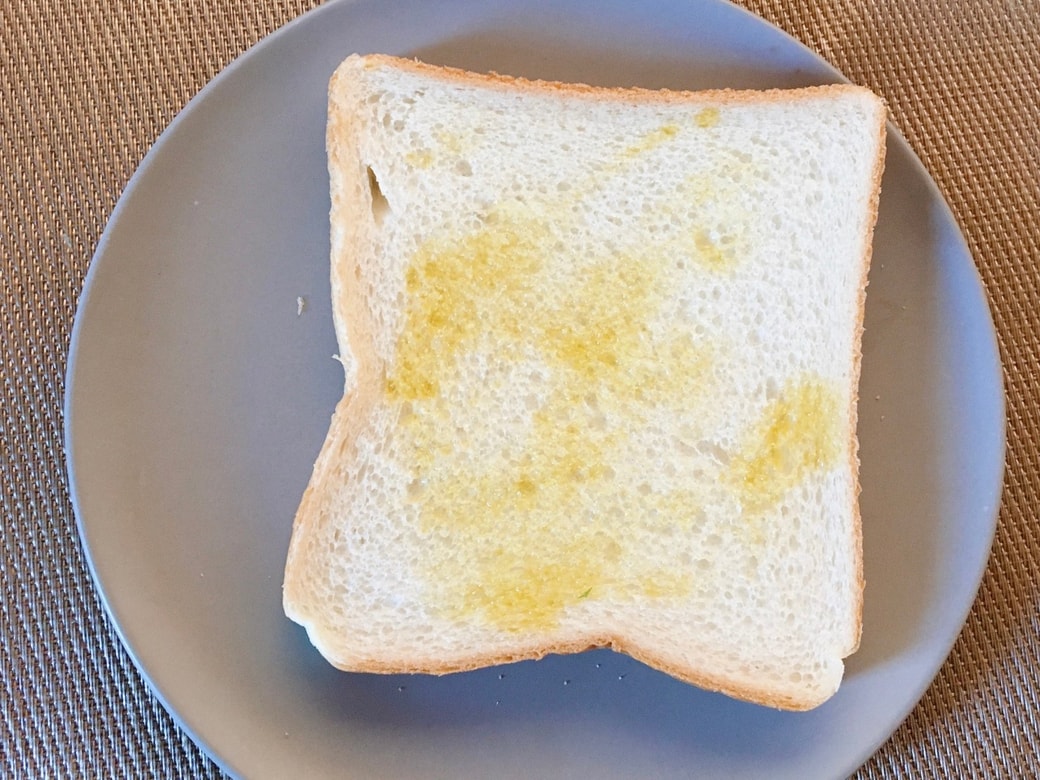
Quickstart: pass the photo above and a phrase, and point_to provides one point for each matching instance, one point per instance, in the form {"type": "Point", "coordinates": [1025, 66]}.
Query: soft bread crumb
{"type": "Point", "coordinates": [601, 351]}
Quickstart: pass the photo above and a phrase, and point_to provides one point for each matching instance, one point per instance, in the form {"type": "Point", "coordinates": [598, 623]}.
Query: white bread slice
{"type": "Point", "coordinates": [602, 350]}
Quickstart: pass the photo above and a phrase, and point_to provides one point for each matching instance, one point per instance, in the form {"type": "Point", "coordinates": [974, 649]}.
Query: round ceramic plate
{"type": "Point", "coordinates": [199, 394]}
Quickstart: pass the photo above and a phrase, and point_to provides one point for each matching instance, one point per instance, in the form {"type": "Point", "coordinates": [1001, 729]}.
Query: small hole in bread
{"type": "Point", "coordinates": [380, 205]}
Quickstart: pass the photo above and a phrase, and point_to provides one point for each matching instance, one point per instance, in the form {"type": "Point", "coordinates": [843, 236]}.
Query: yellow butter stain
{"type": "Point", "coordinates": [451, 142]}
{"type": "Point", "coordinates": [718, 240]}
{"type": "Point", "coordinates": [651, 140]}
{"type": "Point", "coordinates": [455, 288]}
{"type": "Point", "coordinates": [800, 433]}
{"type": "Point", "coordinates": [707, 117]}
{"type": "Point", "coordinates": [523, 548]}
{"type": "Point", "coordinates": [520, 590]}
{"type": "Point", "coordinates": [714, 251]}
{"type": "Point", "coordinates": [419, 158]}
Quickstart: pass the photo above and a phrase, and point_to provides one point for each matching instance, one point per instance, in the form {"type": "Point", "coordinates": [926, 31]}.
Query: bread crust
{"type": "Point", "coordinates": [633, 95]}
{"type": "Point", "coordinates": [533, 651]}
{"type": "Point", "coordinates": [857, 363]}
{"type": "Point", "coordinates": [354, 327]}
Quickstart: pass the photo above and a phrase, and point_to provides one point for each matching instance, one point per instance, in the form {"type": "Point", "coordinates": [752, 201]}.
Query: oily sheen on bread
{"type": "Point", "coordinates": [601, 351]}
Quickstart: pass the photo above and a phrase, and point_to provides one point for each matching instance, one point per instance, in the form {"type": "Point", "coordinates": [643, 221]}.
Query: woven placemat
{"type": "Point", "coordinates": [85, 88]}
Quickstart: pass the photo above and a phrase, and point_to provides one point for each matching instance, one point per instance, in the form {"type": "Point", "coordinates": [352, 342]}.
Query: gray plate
{"type": "Point", "coordinates": [198, 398]}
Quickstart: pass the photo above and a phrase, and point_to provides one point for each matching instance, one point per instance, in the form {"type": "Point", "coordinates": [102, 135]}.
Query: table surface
{"type": "Point", "coordinates": [85, 93]}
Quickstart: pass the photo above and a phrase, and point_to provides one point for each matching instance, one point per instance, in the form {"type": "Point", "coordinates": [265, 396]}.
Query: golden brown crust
{"type": "Point", "coordinates": [701, 678]}
{"type": "Point", "coordinates": [639, 95]}
{"type": "Point", "coordinates": [857, 361]}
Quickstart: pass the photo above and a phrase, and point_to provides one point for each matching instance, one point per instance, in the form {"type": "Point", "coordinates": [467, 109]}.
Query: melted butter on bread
{"type": "Point", "coordinates": [707, 117]}
{"type": "Point", "coordinates": [492, 489]}
{"type": "Point", "coordinates": [651, 140]}
{"type": "Point", "coordinates": [525, 547]}
{"type": "Point", "coordinates": [797, 434]}
{"type": "Point", "coordinates": [518, 520]}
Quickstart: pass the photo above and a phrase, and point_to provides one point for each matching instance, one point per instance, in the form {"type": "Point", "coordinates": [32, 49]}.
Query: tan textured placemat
{"type": "Point", "coordinates": [86, 87]}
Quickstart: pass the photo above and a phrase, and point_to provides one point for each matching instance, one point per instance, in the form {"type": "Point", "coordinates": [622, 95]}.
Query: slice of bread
{"type": "Point", "coordinates": [602, 350]}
